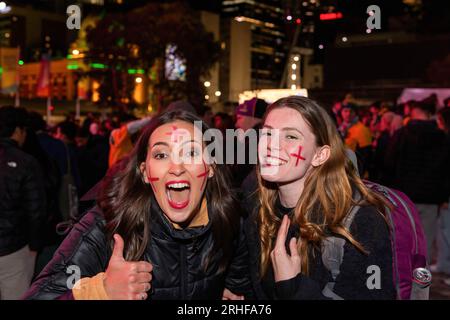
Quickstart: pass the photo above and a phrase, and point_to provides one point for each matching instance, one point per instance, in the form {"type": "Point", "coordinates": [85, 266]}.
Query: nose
{"type": "Point", "coordinates": [177, 168]}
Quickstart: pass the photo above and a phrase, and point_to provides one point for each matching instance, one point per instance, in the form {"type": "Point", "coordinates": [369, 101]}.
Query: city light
{"type": "Point", "coordinates": [207, 84]}
{"type": "Point", "coordinates": [298, 21]}
{"type": "Point", "coordinates": [98, 65]}
{"type": "Point", "coordinates": [320, 46]}
{"type": "Point", "coordinates": [206, 97]}
{"type": "Point", "coordinates": [344, 39]}
{"type": "Point", "coordinates": [331, 16]}
{"type": "Point", "coordinates": [218, 93]}
{"type": "Point", "coordinates": [293, 87]}
{"type": "Point", "coordinates": [75, 52]}
{"type": "Point", "coordinates": [20, 62]}
{"type": "Point", "coordinates": [294, 66]}
{"type": "Point", "coordinates": [4, 8]}
{"type": "Point", "coordinates": [296, 58]}
{"type": "Point", "coordinates": [289, 18]}
{"type": "Point", "coordinates": [294, 77]}
{"type": "Point", "coordinates": [369, 31]}
{"type": "Point", "coordinates": [138, 80]}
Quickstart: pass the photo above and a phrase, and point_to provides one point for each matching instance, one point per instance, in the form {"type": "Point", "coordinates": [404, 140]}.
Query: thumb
{"type": "Point", "coordinates": [118, 247]}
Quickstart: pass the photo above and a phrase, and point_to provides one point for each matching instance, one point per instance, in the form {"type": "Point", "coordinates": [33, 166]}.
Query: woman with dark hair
{"type": "Point", "coordinates": [166, 226]}
{"type": "Point", "coordinates": [309, 193]}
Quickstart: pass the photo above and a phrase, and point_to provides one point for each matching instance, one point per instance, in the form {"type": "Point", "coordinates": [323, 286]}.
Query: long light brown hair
{"type": "Point", "coordinates": [327, 196]}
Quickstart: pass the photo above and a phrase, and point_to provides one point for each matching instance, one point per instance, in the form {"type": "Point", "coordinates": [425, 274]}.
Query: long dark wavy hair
{"type": "Point", "coordinates": [125, 199]}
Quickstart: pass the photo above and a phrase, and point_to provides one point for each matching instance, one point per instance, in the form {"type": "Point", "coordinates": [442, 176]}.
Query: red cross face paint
{"type": "Point", "coordinates": [286, 146]}
{"type": "Point", "coordinates": [175, 169]}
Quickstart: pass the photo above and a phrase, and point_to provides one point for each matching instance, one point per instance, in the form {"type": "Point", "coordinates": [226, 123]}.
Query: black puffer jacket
{"type": "Point", "coordinates": [22, 199]}
{"type": "Point", "coordinates": [176, 256]}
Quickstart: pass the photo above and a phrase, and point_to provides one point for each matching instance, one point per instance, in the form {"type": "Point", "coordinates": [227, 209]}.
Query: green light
{"type": "Point", "coordinates": [1, 70]}
{"type": "Point", "coordinates": [69, 56]}
{"type": "Point", "coordinates": [20, 62]}
{"type": "Point", "coordinates": [98, 65]}
{"type": "Point", "coordinates": [131, 71]}
{"type": "Point", "coordinates": [72, 66]}
{"type": "Point", "coordinates": [141, 71]}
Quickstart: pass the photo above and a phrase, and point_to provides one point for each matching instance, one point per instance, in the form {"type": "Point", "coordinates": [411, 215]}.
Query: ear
{"type": "Point", "coordinates": [144, 174]}
{"type": "Point", "coordinates": [211, 172]}
{"type": "Point", "coordinates": [321, 156]}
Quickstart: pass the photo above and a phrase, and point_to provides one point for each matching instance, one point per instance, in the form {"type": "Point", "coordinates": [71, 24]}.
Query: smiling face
{"type": "Point", "coordinates": [287, 147]}
{"type": "Point", "coordinates": [175, 169]}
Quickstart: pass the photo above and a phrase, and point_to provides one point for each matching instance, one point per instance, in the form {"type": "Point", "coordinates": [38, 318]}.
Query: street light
{"type": "Point", "coordinates": [75, 51]}
{"type": "Point", "coordinates": [207, 84]}
{"type": "Point", "coordinates": [138, 80]}
{"type": "Point", "coordinates": [218, 93]}
{"type": "Point", "coordinates": [2, 6]}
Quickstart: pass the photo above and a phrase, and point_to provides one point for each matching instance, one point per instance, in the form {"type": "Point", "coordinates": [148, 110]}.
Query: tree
{"type": "Point", "coordinates": [138, 39]}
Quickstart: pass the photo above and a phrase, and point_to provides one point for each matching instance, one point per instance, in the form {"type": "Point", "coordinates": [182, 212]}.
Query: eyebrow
{"type": "Point", "coordinates": [192, 140]}
{"type": "Point", "coordinates": [284, 129]}
{"type": "Point", "coordinates": [167, 145]}
{"type": "Point", "coordinates": [159, 143]}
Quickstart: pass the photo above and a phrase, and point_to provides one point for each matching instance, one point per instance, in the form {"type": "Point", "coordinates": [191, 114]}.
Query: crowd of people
{"type": "Point", "coordinates": [114, 178]}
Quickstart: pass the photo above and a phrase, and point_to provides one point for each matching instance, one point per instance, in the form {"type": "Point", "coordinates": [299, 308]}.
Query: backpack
{"type": "Point", "coordinates": [408, 246]}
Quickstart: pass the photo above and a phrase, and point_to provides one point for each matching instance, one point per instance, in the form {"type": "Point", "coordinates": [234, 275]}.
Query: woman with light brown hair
{"type": "Point", "coordinates": [309, 192]}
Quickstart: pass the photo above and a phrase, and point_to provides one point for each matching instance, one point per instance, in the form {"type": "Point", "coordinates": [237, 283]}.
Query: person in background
{"type": "Point", "coordinates": [356, 135]}
{"type": "Point", "coordinates": [443, 233]}
{"type": "Point", "coordinates": [207, 115]}
{"type": "Point", "coordinates": [416, 162]}
{"type": "Point", "coordinates": [389, 124]}
{"type": "Point", "coordinates": [22, 206]}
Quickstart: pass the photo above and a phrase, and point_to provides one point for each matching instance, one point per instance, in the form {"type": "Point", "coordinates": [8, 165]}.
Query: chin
{"type": "Point", "coordinates": [178, 217]}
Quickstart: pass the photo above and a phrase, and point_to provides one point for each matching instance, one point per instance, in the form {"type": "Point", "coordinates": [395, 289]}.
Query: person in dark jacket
{"type": "Point", "coordinates": [417, 161]}
{"type": "Point", "coordinates": [166, 227]}
{"type": "Point", "coordinates": [22, 206]}
{"type": "Point", "coordinates": [307, 188]}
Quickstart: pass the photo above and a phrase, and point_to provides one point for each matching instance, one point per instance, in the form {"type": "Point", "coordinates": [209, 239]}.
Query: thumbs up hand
{"type": "Point", "coordinates": [285, 266]}
{"type": "Point", "coordinates": [126, 280]}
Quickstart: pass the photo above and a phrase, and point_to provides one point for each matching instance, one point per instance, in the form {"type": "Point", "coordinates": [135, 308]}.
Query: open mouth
{"type": "Point", "coordinates": [178, 193]}
{"type": "Point", "coordinates": [272, 162]}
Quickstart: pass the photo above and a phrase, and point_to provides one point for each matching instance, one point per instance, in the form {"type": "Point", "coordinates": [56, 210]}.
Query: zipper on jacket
{"type": "Point", "coordinates": [183, 271]}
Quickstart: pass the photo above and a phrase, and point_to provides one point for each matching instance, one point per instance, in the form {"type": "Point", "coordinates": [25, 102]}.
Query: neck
{"type": "Point", "coordinates": [290, 193]}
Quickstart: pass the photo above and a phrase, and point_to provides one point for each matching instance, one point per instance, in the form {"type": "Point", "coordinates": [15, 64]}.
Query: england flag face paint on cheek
{"type": "Point", "coordinates": [298, 156]}
{"type": "Point", "coordinates": [203, 175]}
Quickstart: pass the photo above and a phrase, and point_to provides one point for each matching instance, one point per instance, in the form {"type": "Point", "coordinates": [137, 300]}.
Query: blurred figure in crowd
{"type": "Point", "coordinates": [22, 206]}
{"type": "Point", "coordinates": [443, 234]}
{"type": "Point", "coordinates": [417, 164]}
{"type": "Point", "coordinates": [356, 135]}
{"type": "Point", "coordinates": [389, 123]}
